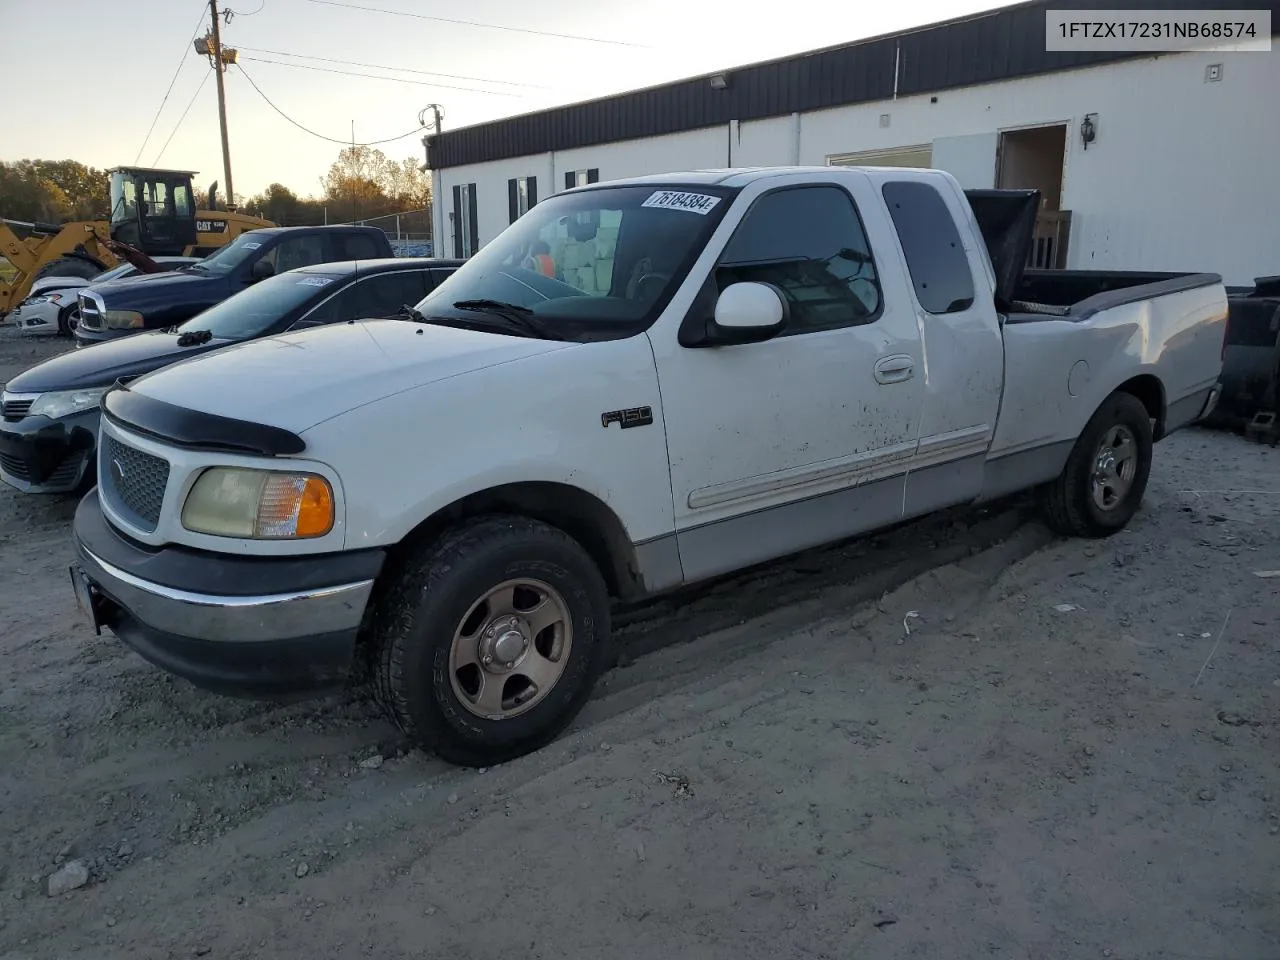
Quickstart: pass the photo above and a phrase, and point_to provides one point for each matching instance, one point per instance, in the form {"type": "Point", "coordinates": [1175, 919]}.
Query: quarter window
{"type": "Point", "coordinates": [936, 258]}
{"type": "Point", "coordinates": [809, 243]}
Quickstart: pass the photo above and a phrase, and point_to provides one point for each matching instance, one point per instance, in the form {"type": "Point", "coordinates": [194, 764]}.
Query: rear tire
{"type": "Point", "coordinates": [498, 609]}
{"type": "Point", "coordinates": [1105, 477]}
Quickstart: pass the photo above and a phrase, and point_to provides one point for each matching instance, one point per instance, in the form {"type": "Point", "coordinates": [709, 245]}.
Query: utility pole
{"type": "Point", "coordinates": [220, 66]}
{"type": "Point", "coordinates": [437, 116]}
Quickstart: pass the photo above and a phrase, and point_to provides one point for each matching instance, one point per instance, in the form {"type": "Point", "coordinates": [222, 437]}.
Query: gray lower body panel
{"type": "Point", "coordinates": [726, 546]}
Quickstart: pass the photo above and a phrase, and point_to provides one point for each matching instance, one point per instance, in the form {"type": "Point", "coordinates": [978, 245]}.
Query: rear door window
{"type": "Point", "coordinates": [936, 258]}
{"type": "Point", "coordinates": [358, 246]}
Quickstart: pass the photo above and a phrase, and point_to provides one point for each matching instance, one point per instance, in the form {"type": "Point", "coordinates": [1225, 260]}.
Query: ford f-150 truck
{"type": "Point", "coordinates": [640, 384]}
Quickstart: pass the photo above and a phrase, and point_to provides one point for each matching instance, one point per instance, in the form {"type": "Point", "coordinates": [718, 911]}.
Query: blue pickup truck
{"type": "Point", "coordinates": [156, 301]}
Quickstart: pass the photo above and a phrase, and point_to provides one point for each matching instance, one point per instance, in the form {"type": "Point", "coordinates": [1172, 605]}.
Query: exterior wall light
{"type": "Point", "coordinates": [1088, 129]}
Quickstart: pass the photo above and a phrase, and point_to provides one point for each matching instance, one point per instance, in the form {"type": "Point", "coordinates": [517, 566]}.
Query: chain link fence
{"type": "Point", "coordinates": [409, 232]}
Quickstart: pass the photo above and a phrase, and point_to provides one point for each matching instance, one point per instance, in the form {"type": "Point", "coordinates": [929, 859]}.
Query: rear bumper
{"type": "Point", "coordinates": [274, 627]}
{"type": "Point", "coordinates": [39, 455]}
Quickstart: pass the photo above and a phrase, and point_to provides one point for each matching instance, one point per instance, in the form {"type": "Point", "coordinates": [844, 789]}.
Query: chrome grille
{"type": "Point", "coordinates": [90, 316]}
{"type": "Point", "coordinates": [135, 481]}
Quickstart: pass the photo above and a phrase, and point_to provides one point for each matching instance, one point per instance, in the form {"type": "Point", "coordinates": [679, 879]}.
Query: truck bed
{"type": "Point", "coordinates": [1077, 295]}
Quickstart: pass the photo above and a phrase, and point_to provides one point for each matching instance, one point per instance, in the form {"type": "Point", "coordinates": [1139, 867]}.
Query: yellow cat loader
{"type": "Point", "coordinates": [153, 214]}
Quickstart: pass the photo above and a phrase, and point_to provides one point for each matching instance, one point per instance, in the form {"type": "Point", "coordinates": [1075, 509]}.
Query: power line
{"type": "Point", "coordinates": [345, 143]}
{"type": "Point", "coordinates": [371, 76]}
{"type": "Point", "coordinates": [190, 103]}
{"type": "Point", "coordinates": [228, 15]}
{"type": "Point", "coordinates": [474, 23]}
{"type": "Point", "coordinates": [382, 66]}
{"type": "Point", "coordinates": [181, 64]}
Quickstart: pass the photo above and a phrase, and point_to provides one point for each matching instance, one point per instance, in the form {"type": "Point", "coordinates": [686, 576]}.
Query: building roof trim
{"type": "Point", "coordinates": [987, 47]}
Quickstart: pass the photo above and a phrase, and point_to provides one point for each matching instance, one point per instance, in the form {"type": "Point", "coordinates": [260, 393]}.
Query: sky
{"type": "Point", "coordinates": [122, 56]}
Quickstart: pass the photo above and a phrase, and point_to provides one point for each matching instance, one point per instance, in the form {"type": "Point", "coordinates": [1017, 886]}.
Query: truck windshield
{"type": "Point", "coordinates": [225, 259]}
{"type": "Point", "coordinates": [593, 265]}
{"type": "Point", "coordinates": [254, 311]}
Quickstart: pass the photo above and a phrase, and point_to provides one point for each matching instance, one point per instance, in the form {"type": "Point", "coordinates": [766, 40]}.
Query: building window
{"type": "Point", "coordinates": [580, 178]}
{"type": "Point", "coordinates": [522, 196]}
{"type": "Point", "coordinates": [465, 233]}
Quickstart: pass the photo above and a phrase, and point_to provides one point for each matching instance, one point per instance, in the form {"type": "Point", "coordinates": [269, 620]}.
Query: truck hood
{"type": "Point", "coordinates": [150, 290]}
{"type": "Point", "coordinates": [297, 380]}
{"type": "Point", "coordinates": [104, 363]}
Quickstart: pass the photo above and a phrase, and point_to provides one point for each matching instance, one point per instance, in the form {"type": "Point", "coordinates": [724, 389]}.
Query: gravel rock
{"type": "Point", "coordinates": [302, 871]}
{"type": "Point", "coordinates": [372, 763]}
{"type": "Point", "coordinates": [68, 877]}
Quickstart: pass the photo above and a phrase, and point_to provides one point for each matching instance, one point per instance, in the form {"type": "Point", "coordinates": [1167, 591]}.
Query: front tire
{"type": "Point", "coordinates": [1102, 484]}
{"type": "Point", "coordinates": [489, 642]}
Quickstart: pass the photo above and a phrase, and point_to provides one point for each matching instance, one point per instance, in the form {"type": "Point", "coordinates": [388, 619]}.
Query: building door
{"type": "Point", "coordinates": [1032, 158]}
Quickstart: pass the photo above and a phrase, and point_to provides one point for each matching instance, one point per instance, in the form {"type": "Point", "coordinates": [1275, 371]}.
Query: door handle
{"type": "Point", "coordinates": [895, 369]}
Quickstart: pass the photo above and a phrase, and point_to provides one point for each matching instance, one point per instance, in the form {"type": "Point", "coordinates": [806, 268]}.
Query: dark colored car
{"type": "Point", "coordinates": [159, 300]}
{"type": "Point", "coordinates": [49, 425]}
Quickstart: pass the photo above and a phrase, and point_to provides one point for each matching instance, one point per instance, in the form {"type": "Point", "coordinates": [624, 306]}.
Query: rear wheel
{"type": "Point", "coordinates": [489, 642]}
{"type": "Point", "coordinates": [1102, 484]}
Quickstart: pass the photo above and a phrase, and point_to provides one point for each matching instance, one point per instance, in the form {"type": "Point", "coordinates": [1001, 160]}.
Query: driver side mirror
{"type": "Point", "coordinates": [746, 312]}
{"type": "Point", "coordinates": [261, 271]}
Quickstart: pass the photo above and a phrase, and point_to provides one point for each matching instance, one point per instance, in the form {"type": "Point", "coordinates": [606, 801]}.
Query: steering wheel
{"type": "Point", "coordinates": [637, 286]}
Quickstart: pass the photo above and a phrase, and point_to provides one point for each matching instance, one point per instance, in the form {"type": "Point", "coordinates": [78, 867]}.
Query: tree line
{"type": "Point", "coordinates": [362, 183]}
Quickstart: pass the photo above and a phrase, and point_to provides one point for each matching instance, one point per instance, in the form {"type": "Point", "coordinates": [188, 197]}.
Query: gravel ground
{"type": "Point", "coordinates": [961, 738]}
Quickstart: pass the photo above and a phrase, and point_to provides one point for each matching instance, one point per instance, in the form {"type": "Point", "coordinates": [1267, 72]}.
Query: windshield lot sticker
{"type": "Point", "coordinates": [314, 281]}
{"type": "Point", "coordinates": [252, 246]}
{"type": "Point", "coordinates": [699, 203]}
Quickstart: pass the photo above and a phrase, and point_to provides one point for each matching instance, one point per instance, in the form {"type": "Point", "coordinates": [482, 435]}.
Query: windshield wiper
{"type": "Point", "coordinates": [522, 318]}
{"type": "Point", "coordinates": [413, 313]}
{"type": "Point", "coordinates": [193, 338]}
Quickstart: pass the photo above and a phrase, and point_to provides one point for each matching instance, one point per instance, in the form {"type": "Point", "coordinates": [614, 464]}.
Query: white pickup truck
{"type": "Point", "coordinates": [638, 385]}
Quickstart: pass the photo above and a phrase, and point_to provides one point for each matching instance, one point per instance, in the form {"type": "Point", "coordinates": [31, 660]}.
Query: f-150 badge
{"type": "Point", "coordinates": [626, 419]}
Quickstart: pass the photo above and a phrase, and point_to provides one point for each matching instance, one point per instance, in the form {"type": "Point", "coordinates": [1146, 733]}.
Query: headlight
{"type": "Point", "coordinates": [63, 403]}
{"type": "Point", "coordinates": [54, 298]}
{"type": "Point", "coordinates": [259, 504]}
{"type": "Point", "coordinates": [123, 319]}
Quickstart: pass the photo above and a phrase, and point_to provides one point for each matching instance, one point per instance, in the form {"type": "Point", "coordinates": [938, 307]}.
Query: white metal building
{"type": "Point", "coordinates": [1168, 162]}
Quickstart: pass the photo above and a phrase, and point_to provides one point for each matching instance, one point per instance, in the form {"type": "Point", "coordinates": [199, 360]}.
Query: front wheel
{"type": "Point", "coordinates": [1102, 484]}
{"type": "Point", "coordinates": [489, 642]}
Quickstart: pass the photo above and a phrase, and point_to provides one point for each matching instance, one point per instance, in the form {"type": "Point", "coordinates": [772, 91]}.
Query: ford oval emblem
{"type": "Point", "coordinates": [117, 471]}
